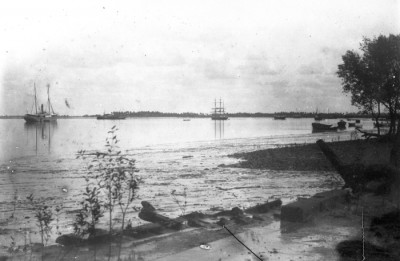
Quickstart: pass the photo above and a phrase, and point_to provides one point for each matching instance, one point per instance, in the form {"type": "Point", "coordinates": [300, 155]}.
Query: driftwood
{"type": "Point", "coordinates": [264, 208]}
{"type": "Point", "coordinates": [368, 135]}
{"type": "Point", "coordinates": [148, 213]}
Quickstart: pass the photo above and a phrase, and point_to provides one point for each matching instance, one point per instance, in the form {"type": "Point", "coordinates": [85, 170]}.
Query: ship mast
{"type": "Point", "coordinates": [34, 86]}
{"type": "Point", "coordinates": [48, 100]}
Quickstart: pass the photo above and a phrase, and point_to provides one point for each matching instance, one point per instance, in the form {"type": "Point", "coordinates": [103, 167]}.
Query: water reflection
{"type": "Point", "coordinates": [39, 135]}
{"type": "Point", "coordinates": [219, 129]}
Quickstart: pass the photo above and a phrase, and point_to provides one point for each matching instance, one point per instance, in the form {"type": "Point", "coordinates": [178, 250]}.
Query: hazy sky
{"type": "Point", "coordinates": [177, 56]}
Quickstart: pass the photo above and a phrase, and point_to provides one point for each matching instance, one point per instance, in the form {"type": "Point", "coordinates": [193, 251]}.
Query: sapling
{"type": "Point", "coordinates": [115, 177]}
{"type": "Point", "coordinates": [44, 217]}
{"type": "Point", "coordinates": [15, 202]}
{"type": "Point", "coordinates": [181, 204]}
{"type": "Point", "coordinates": [90, 212]}
{"type": "Point", "coordinates": [58, 213]}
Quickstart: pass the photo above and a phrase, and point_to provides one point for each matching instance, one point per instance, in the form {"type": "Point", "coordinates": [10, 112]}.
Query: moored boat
{"type": "Point", "coordinates": [218, 113]}
{"type": "Point", "coordinates": [320, 127]}
{"type": "Point", "coordinates": [111, 116]}
{"type": "Point", "coordinates": [42, 115]}
{"type": "Point", "coordinates": [341, 124]}
{"type": "Point", "coordinates": [279, 117]}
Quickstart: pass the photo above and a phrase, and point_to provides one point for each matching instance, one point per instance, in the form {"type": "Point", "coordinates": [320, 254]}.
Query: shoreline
{"type": "Point", "coordinates": [308, 158]}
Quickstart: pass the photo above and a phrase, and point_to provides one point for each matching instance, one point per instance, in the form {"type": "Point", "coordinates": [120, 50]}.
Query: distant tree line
{"type": "Point", "coordinates": [333, 115]}
{"type": "Point", "coordinates": [241, 114]}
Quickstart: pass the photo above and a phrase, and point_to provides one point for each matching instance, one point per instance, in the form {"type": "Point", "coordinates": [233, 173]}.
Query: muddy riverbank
{"type": "Point", "coordinates": [265, 234]}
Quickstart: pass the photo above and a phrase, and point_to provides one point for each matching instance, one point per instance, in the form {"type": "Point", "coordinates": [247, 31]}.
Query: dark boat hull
{"type": "Point", "coordinates": [341, 125]}
{"type": "Point", "coordinates": [219, 118]}
{"type": "Point", "coordinates": [319, 127]}
{"type": "Point", "coordinates": [32, 118]}
{"type": "Point", "coordinates": [279, 118]}
{"type": "Point", "coordinates": [111, 117]}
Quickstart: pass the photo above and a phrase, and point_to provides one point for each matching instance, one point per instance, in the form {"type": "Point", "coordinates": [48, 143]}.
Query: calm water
{"type": "Point", "coordinates": [170, 153]}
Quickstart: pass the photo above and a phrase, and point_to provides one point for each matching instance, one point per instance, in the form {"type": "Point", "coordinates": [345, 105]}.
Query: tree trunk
{"type": "Point", "coordinates": [377, 119]}
{"type": "Point", "coordinates": [395, 152]}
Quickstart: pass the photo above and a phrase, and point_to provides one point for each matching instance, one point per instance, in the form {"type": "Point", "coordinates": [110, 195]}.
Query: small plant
{"type": "Point", "coordinates": [115, 180]}
{"type": "Point", "coordinates": [90, 212]}
{"type": "Point", "coordinates": [44, 217]}
{"type": "Point", "coordinates": [181, 203]}
{"type": "Point", "coordinates": [14, 202]}
{"type": "Point", "coordinates": [58, 210]}
{"type": "Point", "coordinates": [12, 249]}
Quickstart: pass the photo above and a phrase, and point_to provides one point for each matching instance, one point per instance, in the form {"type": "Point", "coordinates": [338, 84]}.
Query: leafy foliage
{"type": "Point", "coordinates": [372, 78]}
{"type": "Point", "coordinates": [112, 182]}
{"type": "Point", "coordinates": [44, 217]}
{"type": "Point", "coordinates": [90, 213]}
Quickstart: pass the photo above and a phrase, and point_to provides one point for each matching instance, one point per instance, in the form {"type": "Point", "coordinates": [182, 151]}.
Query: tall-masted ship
{"type": "Point", "coordinates": [41, 115]}
{"type": "Point", "coordinates": [219, 111]}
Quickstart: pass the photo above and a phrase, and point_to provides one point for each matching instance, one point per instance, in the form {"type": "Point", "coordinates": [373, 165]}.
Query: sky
{"type": "Point", "coordinates": [178, 56]}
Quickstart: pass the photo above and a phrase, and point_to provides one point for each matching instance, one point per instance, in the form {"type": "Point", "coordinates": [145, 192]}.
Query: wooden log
{"type": "Point", "coordinates": [264, 208]}
{"type": "Point", "coordinates": [148, 213]}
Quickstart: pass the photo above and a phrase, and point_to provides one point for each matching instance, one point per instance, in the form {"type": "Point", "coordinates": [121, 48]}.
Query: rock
{"type": "Point", "coordinates": [99, 236]}
{"type": "Point", "coordinates": [356, 249]}
{"type": "Point", "coordinates": [257, 217]}
{"type": "Point", "coordinates": [277, 216]}
{"type": "Point", "coordinates": [304, 209]}
{"type": "Point", "coordinates": [36, 247]}
{"type": "Point", "coordinates": [222, 222]}
{"type": "Point", "coordinates": [68, 240]}
{"type": "Point", "coordinates": [233, 212]}
{"type": "Point", "coordinates": [264, 208]}
{"type": "Point", "coordinates": [242, 220]}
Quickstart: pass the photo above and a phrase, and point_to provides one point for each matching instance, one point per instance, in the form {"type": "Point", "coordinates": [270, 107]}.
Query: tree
{"type": "Point", "coordinates": [373, 80]}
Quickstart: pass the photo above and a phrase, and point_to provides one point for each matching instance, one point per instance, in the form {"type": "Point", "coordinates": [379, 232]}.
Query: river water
{"type": "Point", "coordinates": [171, 154]}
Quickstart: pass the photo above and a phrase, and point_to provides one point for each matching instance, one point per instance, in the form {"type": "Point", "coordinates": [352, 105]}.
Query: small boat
{"type": "Point", "coordinates": [381, 124]}
{"type": "Point", "coordinates": [111, 116]}
{"type": "Point", "coordinates": [341, 124]}
{"type": "Point", "coordinates": [219, 112]}
{"type": "Point", "coordinates": [320, 127]}
{"type": "Point", "coordinates": [317, 117]}
{"type": "Point", "coordinates": [279, 117]}
{"type": "Point", "coordinates": [42, 115]}
{"type": "Point", "coordinates": [358, 124]}
{"type": "Point", "coordinates": [186, 119]}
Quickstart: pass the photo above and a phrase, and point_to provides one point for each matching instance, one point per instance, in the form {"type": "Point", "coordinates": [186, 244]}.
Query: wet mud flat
{"type": "Point", "coordinates": [266, 235]}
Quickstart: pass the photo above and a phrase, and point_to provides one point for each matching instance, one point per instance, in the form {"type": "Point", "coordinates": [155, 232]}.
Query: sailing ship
{"type": "Point", "coordinates": [317, 117]}
{"type": "Point", "coordinates": [279, 117]}
{"type": "Point", "coordinates": [42, 115]}
{"type": "Point", "coordinates": [219, 112]}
